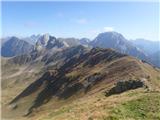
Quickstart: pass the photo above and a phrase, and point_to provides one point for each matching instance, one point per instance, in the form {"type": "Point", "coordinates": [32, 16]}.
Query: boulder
{"type": "Point", "coordinates": [122, 86]}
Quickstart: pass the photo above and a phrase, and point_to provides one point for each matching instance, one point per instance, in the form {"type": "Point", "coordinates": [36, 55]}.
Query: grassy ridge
{"type": "Point", "coordinates": [131, 105]}
{"type": "Point", "coordinates": [146, 107]}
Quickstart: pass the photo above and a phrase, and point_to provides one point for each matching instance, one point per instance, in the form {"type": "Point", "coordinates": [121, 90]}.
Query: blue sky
{"type": "Point", "coordinates": [81, 19]}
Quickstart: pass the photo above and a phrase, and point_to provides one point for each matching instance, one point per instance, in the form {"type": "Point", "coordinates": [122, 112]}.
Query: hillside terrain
{"type": "Point", "coordinates": [80, 60]}
{"type": "Point", "coordinates": [79, 83]}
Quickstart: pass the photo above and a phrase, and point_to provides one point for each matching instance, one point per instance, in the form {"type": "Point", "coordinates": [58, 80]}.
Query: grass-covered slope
{"type": "Point", "coordinates": [77, 88]}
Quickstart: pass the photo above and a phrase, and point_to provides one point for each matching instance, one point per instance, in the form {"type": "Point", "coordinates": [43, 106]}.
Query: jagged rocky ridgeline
{"type": "Point", "coordinates": [14, 46]}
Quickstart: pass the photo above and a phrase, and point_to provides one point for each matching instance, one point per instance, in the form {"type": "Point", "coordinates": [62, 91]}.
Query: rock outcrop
{"type": "Point", "coordinates": [122, 86]}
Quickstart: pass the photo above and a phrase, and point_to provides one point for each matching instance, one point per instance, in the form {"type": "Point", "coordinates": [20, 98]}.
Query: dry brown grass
{"type": "Point", "coordinates": [91, 106]}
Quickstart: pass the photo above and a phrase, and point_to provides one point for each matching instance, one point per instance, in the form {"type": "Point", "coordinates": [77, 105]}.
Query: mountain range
{"type": "Point", "coordinates": [53, 78]}
{"type": "Point", "coordinates": [140, 48]}
{"type": "Point", "coordinates": [147, 46]}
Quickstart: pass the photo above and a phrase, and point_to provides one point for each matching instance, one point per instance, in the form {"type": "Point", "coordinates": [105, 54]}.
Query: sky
{"type": "Point", "coordinates": [81, 19]}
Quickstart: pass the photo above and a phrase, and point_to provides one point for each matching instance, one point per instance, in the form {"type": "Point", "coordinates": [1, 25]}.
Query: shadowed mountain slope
{"type": "Point", "coordinates": [15, 46]}
{"type": "Point", "coordinates": [84, 73]}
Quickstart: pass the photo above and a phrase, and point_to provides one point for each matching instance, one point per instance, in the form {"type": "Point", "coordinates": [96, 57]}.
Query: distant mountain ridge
{"type": "Point", "coordinates": [15, 46]}
{"type": "Point", "coordinates": [147, 46]}
{"type": "Point", "coordinates": [152, 48]}
{"type": "Point", "coordinates": [113, 40]}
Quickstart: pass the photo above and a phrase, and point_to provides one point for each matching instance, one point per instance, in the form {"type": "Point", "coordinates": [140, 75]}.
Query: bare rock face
{"type": "Point", "coordinates": [48, 42]}
{"type": "Point", "coordinates": [122, 86]}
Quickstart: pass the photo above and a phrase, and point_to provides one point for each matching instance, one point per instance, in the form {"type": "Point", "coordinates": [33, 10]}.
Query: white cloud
{"type": "Point", "coordinates": [82, 21]}
{"type": "Point", "coordinates": [108, 29]}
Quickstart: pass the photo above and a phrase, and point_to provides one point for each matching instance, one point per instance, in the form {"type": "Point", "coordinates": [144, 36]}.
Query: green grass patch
{"type": "Point", "coordinates": [146, 107]}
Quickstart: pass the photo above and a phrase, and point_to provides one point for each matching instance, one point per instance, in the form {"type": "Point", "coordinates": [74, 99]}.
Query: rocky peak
{"type": "Point", "coordinates": [118, 42]}
{"type": "Point", "coordinates": [43, 40]}
{"type": "Point", "coordinates": [15, 46]}
{"type": "Point", "coordinates": [53, 42]}
{"type": "Point", "coordinates": [48, 42]}
{"type": "Point", "coordinates": [110, 38]}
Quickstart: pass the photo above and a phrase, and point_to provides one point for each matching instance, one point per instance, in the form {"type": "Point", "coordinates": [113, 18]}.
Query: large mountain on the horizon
{"type": "Point", "coordinates": [15, 46]}
{"type": "Point", "coordinates": [118, 42]}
